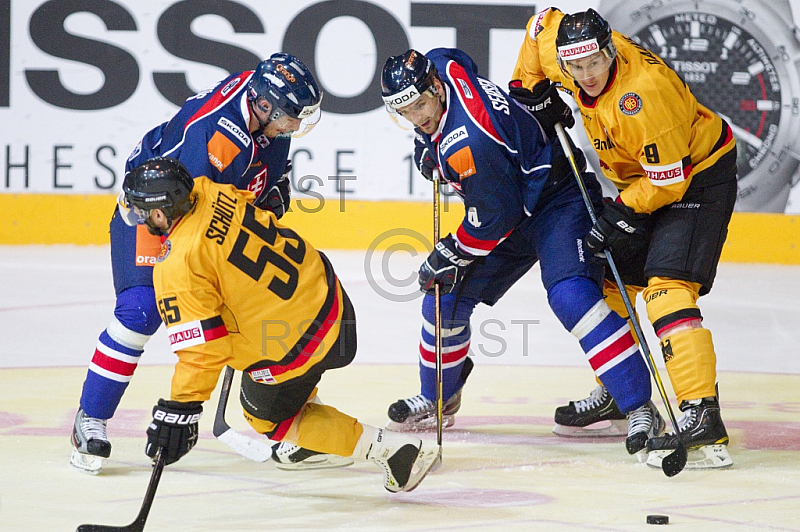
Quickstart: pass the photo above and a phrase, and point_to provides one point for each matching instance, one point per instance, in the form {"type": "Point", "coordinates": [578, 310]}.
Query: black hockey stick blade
{"type": "Point", "coordinates": [674, 462]}
{"type": "Point", "coordinates": [150, 494]}
{"type": "Point", "coordinates": [220, 425]}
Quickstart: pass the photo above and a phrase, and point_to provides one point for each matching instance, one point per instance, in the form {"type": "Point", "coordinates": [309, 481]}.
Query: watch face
{"type": "Point", "coordinates": [728, 71]}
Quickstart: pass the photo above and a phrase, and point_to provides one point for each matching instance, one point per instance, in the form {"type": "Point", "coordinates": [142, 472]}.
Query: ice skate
{"type": "Point", "coordinates": [703, 434]}
{"type": "Point", "coordinates": [405, 460]}
{"type": "Point", "coordinates": [643, 423]}
{"type": "Point", "coordinates": [90, 443]}
{"type": "Point", "coordinates": [418, 413]}
{"type": "Point", "coordinates": [595, 416]}
{"type": "Point", "coordinates": [290, 457]}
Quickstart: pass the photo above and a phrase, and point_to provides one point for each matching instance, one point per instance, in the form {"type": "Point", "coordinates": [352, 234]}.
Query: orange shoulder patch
{"type": "Point", "coordinates": [462, 162]}
{"type": "Point", "coordinates": [148, 247]}
{"type": "Point", "coordinates": [221, 151]}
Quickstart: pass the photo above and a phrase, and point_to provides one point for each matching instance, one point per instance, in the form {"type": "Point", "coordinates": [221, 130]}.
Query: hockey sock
{"type": "Point", "coordinates": [605, 337]}
{"type": "Point", "coordinates": [118, 350]}
{"type": "Point", "coordinates": [456, 334]}
{"type": "Point", "coordinates": [691, 363]}
{"type": "Point", "coordinates": [687, 347]}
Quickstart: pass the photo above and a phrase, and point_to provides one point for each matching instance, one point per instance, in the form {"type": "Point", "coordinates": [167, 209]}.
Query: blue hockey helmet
{"type": "Point", "coordinates": [405, 78]}
{"type": "Point", "coordinates": [288, 87]}
{"type": "Point", "coordinates": [160, 183]}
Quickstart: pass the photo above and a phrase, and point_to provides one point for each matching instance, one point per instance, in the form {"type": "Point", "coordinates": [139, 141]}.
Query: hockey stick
{"type": "Point", "coordinates": [247, 447]}
{"type": "Point", "coordinates": [673, 463]}
{"type": "Point", "coordinates": [149, 495]}
{"type": "Point", "coordinates": [437, 295]}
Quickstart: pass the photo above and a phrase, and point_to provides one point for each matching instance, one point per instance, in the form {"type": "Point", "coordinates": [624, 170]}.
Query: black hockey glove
{"type": "Point", "coordinates": [278, 197]}
{"type": "Point", "coordinates": [617, 227]}
{"type": "Point", "coordinates": [545, 104]}
{"type": "Point", "coordinates": [174, 427]}
{"type": "Point", "coordinates": [445, 265]}
{"type": "Point", "coordinates": [423, 160]}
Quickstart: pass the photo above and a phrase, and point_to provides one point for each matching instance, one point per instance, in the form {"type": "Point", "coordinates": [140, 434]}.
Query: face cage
{"type": "Point", "coordinates": [402, 122]}
{"type": "Point", "coordinates": [609, 51]}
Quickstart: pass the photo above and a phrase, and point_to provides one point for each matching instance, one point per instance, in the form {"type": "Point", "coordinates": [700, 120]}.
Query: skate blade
{"type": "Point", "coordinates": [703, 457]}
{"type": "Point", "coordinates": [86, 463]}
{"type": "Point", "coordinates": [319, 461]}
{"type": "Point", "coordinates": [602, 429]}
{"type": "Point", "coordinates": [428, 457]}
{"type": "Point", "coordinates": [427, 424]}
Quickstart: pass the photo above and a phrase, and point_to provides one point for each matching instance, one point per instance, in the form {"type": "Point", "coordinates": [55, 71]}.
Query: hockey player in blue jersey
{"type": "Point", "coordinates": [522, 205]}
{"type": "Point", "coordinates": [238, 133]}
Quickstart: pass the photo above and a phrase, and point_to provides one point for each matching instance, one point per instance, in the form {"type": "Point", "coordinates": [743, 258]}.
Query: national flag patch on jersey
{"type": "Point", "coordinates": [630, 103]}
{"type": "Point", "coordinates": [463, 162]}
{"type": "Point", "coordinates": [264, 376]}
{"type": "Point", "coordinates": [221, 151]}
{"type": "Point", "coordinates": [257, 184]}
{"type": "Point", "coordinates": [195, 333]}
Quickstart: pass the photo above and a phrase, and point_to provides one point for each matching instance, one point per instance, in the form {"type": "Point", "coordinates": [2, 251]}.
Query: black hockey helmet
{"type": "Point", "coordinates": [405, 78]}
{"type": "Point", "coordinates": [160, 183]}
{"type": "Point", "coordinates": [288, 87]}
{"type": "Point", "coordinates": [583, 34]}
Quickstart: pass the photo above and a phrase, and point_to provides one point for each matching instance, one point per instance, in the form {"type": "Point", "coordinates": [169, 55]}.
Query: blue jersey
{"type": "Point", "coordinates": [210, 135]}
{"type": "Point", "coordinates": [491, 150]}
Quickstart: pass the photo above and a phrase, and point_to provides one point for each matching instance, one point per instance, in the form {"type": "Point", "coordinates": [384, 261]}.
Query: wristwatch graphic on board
{"type": "Point", "coordinates": [740, 59]}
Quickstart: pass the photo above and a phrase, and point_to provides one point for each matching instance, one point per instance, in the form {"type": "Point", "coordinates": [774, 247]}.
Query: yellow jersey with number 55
{"type": "Point", "coordinates": [650, 133]}
{"type": "Point", "coordinates": [234, 287]}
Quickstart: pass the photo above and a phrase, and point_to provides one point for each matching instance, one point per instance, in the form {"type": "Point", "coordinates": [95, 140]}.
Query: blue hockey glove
{"type": "Point", "coordinates": [618, 227]}
{"type": "Point", "coordinates": [174, 427]}
{"type": "Point", "coordinates": [423, 160]}
{"type": "Point", "coordinates": [445, 265]}
{"type": "Point", "coordinates": [545, 103]}
{"type": "Point", "coordinates": [278, 197]}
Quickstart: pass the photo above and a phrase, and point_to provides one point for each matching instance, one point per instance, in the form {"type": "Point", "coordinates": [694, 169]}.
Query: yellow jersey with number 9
{"type": "Point", "coordinates": [649, 131]}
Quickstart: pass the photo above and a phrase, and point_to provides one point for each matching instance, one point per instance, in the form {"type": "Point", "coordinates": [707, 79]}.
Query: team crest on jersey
{"type": "Point", "coordinates": [630, 103]}
{"type": "Point", "coordinates": [262, 140]}
{"type": "Point", "coordinates": [166, 248]}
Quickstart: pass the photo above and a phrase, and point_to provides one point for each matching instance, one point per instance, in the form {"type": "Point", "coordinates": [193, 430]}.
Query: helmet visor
{"type": "Point", "coordinates": [593, 65]}
{"type": "Point", "coordinates": [299, 126]}
{"type": "Point", "coordinates": [130, 214]}
{"type": "Point", "coordinates": [410, 115]}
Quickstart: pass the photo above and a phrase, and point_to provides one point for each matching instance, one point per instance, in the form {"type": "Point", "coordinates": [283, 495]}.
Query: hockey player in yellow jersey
{"type": "Point", "coordinates": [236, 288]}
{"type": "Point", "coordinates": [673, 162]}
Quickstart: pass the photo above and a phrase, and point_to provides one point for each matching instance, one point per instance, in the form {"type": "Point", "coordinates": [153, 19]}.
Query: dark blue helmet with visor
{"type": "Point", "coordinates": [405, 78]}
{"type": "Point", "coordinates": [287, 85]}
